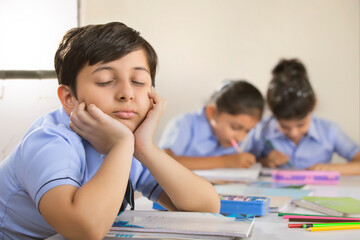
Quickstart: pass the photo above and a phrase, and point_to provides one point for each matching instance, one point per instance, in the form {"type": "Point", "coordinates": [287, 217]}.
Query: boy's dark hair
{"type": "Point", "coordinates": [93, 44]}
{"type": "Point", "coordinates": [238, 97]}
{"type": "Point", "coordinates": [290, 95]}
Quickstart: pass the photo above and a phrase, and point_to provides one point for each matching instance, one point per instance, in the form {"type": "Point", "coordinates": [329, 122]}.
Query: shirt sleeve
{"type": "Point", "coordinates": [177, 135]}
{"type": "Point", "coordinates": [144, 181]}
{"type": "Point", "coordinates": [48, 160]}
{"type": "Point", "coordinates": [343, 144]}
{"type": "Point", "coordinates": [255, 143]}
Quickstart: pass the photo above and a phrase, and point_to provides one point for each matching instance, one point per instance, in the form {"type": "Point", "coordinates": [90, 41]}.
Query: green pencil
{"type": "Point", "coordinates": [329, 224]}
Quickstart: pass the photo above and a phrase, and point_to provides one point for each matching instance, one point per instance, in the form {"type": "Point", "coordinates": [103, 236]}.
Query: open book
{"type": "Point", "coordinates": [182, 225]}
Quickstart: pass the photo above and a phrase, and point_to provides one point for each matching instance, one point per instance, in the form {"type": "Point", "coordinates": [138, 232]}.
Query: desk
{"type": "Point", "coordinates": [275, 228]}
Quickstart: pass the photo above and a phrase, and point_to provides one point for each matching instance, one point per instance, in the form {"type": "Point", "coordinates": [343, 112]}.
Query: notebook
{"type": "Point", "coordinates": [183, 224]}
{"type": "Point", "coordinates": [335, 206]}
{"type": "Point", "coordinates": [231, 174]}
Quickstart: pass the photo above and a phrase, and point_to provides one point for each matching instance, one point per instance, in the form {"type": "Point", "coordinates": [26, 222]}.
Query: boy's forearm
{"type": "Point", "coordinates": [187, 191]}
{"type": "Point", "coordinates": [351, 168]}
{"type": "Point", "coordinates": [102, 196]}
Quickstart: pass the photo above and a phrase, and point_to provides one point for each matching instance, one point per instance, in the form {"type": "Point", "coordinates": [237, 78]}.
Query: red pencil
{"type": "Point", "coordinates": [295, 225]}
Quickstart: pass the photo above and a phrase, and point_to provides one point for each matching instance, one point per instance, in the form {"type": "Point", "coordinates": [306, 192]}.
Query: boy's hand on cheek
{"type": "Point", "coordinates": [101, 130]}
{"type": "Point", "coordinates": [145, 132]}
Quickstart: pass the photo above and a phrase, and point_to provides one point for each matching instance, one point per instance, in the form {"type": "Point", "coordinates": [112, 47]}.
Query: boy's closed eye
{"type": "Point", "coordinates": [105, 83]}
{"type": "Point", "coordinates": [237, 127]}
{"type": "Point", "coordinates": [138, 82]}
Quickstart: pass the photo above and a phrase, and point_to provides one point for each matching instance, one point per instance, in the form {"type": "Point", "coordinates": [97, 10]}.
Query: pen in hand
{"type": "Point", "coordinates": [271, 146]}
{"type": "Point", "coordinates": [235, 145]}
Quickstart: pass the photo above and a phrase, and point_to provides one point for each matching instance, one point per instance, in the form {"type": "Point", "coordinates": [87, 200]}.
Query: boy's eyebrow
{"type": "Point", "coordinates": [142, 69]}
{"type": "Point", "coordinates": [102, 67]}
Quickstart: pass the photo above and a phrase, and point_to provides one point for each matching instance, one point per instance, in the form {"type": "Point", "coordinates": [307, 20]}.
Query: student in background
{"type": "Point", "coordinates": [293, 137]}
{"type": "Point", "coordinates": [71, 171]}
{"type": "Point", "coordinates": [209, 138]}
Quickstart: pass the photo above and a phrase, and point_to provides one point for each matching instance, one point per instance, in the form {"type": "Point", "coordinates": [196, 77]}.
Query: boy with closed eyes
{"type": "Point", "coordinates": [72, 169]}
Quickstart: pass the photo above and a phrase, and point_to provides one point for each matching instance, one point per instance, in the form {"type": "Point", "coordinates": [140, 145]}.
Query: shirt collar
{"type": "Point", "coordinates": [276, 133]}
{"type": "Point", "coordinates": [64, 117]}
{"type": "Point", "coordinates": [313, 133]}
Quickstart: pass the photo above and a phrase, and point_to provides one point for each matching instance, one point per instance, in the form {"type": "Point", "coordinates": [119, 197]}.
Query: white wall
{"type": "Point", "coordinates": [201, 42]}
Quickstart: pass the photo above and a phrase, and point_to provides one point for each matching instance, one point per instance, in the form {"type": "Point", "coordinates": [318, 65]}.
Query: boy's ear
{"type": "Point", "coordinates": [66, 97]}
{"type": "Point", "coordinates": [210, 112]}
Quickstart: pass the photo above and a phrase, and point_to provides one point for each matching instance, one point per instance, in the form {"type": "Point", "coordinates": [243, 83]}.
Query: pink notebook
{"type": "Point", "coordinates": [305, 177]}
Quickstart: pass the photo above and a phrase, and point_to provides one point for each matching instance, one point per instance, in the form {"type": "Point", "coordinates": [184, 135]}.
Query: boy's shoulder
{"type": "Point", "coordinates": [194, 116]}
{"type": "Point", "coordinates": [52, 125]}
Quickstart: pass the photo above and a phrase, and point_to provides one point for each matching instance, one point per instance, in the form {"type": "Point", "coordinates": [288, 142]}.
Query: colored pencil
{"type": "Point", "coordinates": [307, 225]}
{"type": "Point", "coordinates": [321, 218]}
{"type": "Point", "coordinates": [314, 229]}
{"type": "Point", "coordinates": [300, 225]}
{"type": "Point", "coordinates": [317, 220]}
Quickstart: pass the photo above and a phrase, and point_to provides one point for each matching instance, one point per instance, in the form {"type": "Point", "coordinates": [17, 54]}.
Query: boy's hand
{"type": "Point", "coordinates": [240, 160]}
{"type": "Point", "coordinates": [275, 158]}
{"type": "Point", "coordinates": [101, 130]}
{"type": "Point", "coordinates": [323, 167]}
{"type": "Point", "coordinates": [145, 132]}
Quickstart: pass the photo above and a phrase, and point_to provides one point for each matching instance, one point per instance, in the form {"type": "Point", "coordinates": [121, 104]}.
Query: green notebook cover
{"type": "Point", "coordinates": [346, 206]}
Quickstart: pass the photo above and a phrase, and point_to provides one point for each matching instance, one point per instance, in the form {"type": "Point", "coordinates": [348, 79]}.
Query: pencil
{"type": "Point", "coordinates": [271, 146]}
{"type": "Point", "coordinates": [300, 225]}
{"type": "Point", "coordinates": [314, 229]}
{"type": "Point", "coordinates": [236, 146]}
{"type": "Point", "coordinates": [307, 225]}
{"type": "Point", "coordinates": [324, 219]}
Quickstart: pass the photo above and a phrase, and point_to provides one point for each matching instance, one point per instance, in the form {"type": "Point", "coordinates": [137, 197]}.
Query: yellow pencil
{"type": "Point", "coordinates": [313, 229]}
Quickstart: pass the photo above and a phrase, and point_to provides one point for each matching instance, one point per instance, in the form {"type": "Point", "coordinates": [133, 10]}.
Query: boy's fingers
{"type": "Point", "coordinates": [95, 112]}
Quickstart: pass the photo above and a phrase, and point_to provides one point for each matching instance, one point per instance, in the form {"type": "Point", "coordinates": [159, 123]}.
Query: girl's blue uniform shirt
{"type": "Point", "coordinates": [50, 155]}
{"type": "Point", "coordinates": [191, 135]}
{"type": "Point", "coordinates": [322, 140]}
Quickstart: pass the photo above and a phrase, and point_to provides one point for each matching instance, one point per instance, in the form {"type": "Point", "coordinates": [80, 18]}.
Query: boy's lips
{"type": "Point", "coordinates": [125, 114]}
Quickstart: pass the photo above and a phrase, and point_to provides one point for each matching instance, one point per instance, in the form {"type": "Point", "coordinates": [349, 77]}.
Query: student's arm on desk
{"type": "Point", "coordinates": [88, 212]}
{"type": "Point", "coordinates": [238, 160]}
{"type": "Point", "coordinates": [350, 168]}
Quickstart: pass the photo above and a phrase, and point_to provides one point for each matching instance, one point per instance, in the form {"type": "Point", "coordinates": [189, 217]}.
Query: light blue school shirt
{"type": "Point", "coordinates": [322, 140]}
{"type": "Point", "coordinates": [191, 135]}
{"type": "Point", "coordinates": [50, 155]}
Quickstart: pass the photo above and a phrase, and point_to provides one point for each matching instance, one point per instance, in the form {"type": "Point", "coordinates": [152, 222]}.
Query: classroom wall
{"type": "Point", "coordinates": [202, 42]}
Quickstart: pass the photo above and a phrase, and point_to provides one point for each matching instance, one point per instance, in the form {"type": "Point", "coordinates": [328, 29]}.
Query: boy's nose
{"type": "Point", "coordinates": [125, 92]}
{"type": "Point", "coordinates": [294, 133]}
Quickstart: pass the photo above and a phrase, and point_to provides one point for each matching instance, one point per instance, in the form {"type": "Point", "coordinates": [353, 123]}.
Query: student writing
{"type": "Point", "coordinates": [296, 135]}
{"type": "Point", "coordinates": [203, 139]}
{"type": "Point", "coordinates": [71, 170]}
